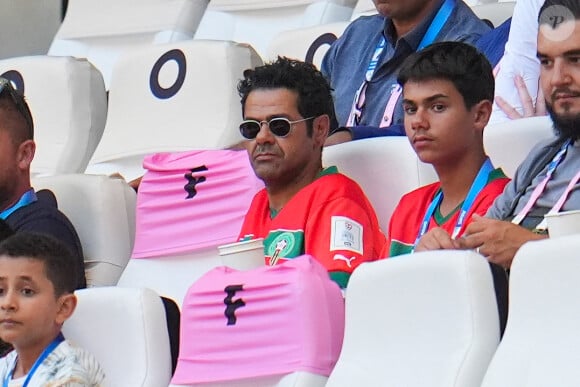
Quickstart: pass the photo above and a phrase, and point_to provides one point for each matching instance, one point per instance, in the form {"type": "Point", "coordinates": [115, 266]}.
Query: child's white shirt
{"type": "Point", "coordinates": [66, 366]}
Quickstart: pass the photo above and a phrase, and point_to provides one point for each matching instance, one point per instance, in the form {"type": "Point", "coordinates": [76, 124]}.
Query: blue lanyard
{"type": "Point", "coordinates": [430, 35]}
{"type": "Point", "coordinates": [27, 198]}
{"type": "Point", "coordinates": [542, 185]}
{"type": "Point", "coordinates": [437, 24]}
{"type": "Point", "coordinates": [47, 351]}
{"type": "Point", "coordinates": [478, 184]}
{"type": "Point", "coordinates": [557, 158]}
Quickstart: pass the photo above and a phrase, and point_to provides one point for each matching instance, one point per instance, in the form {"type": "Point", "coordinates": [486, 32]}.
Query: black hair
{"type": "Point", "coordinates": [13, 102]}
{"type": "Point", "coordinates": [314, 92]}
{"type": "Point", "coordinates": [5, 230]}
{"type": "Point", "coordinates": [552, 13]}
{"type": "Point", "coordinates": [57, 258]}
{"type": "Point", "coordinates": [461, 64]}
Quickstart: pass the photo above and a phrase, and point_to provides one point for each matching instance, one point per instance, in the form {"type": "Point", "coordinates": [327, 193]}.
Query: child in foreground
{"type": "Point", "coordinates": [36, 297]}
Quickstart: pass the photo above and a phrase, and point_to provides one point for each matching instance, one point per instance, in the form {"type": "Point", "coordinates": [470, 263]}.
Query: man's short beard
{"type": "Point", "coordinates": [565, 126]}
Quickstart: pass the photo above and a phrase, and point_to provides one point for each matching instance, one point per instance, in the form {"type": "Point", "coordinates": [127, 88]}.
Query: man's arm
{"type": "Point", "coordinates": [498, 240]}
{"type": "Point", "coordinates": [341, 235]}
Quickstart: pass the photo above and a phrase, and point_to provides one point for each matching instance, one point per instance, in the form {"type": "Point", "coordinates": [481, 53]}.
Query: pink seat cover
{"type": "Point", "coordinates": [192, 200]}
{"type": "Point", "coordinates": [273, 320]}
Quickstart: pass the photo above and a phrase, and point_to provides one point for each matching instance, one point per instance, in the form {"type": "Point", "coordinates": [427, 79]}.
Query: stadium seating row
{"type": "Point", "coordinates": [427, 319]}
{"type": "Point", "coordinates": [101, 33]}
{"type": "Point", "coordinates": [103, 209]}
{"type": "Point", "coordinates": [164, 97]}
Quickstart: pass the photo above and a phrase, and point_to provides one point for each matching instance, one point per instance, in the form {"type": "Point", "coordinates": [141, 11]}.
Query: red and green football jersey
{"type": "Point", "coordinates": [330, 219]}
{"type": "Point", "coordinates": [408, 216]}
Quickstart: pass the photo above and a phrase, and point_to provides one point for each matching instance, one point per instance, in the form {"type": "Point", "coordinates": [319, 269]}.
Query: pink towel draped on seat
{"type": "Point", "coordinates": [192, 200]}
{"type": "Point", "coordinates": [272, 320]}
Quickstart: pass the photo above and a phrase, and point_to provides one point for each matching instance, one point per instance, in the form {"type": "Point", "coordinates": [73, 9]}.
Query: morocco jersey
{"type": "Point", "coordinates": [408, 216]}
{"type": "Point", "coordinates": [330, 219]}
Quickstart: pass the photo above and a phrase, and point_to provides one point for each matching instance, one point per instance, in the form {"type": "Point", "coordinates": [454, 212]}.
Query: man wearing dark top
{"type": "Point", "coordinates": [21, 207]}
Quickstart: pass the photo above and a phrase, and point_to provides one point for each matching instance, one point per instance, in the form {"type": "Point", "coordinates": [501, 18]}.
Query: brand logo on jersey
{"type": "Point", "coordinates": [340, 257]}
{"type": "Point", "coordinates": [193, 181]}
{"type": "Point", "coordinates": [232, 306]}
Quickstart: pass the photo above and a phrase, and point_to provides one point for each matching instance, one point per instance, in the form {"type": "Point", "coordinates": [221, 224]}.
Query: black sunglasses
{"type": "Point", "coordinates": [18, 99]}
{"type": "Point", "coordinates": [279, 127]}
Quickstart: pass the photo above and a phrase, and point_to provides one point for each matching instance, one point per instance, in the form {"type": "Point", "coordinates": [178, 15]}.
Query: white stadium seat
{"type": "Point", "coordinates": [426, 319]}
{"type": "Point", "coordinates": [508, 143]}
{"type": "Point", "coordinates": [363, 8]}
{"type": "Point", "coordinates": [102, 30]}
{"type": "Point", "coordinates": [172, 97]}
{"type": "Point", "coordinates": [541, 340]}
{"type": "Point", "coordinates": [17, 38]}
{"type": "Point", "coordinates": [126, 331]}
{"type": "Point", "coordinates": [308, 44]}
{"type": "Point", "coordinates": [170, 276]}
{"type": "Point", "coordinates": [68, 103]}
{"type": "Point", "coordinates": [385, 167]}
{"type": "Point", "coordinates": [257, 21]}
{"type": "Point", "coordinates": [102, 210]}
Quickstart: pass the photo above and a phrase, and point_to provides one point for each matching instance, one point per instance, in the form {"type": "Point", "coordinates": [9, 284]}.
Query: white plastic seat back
{"type": "Point", "coordinates": [496, 13]}
{"type": "Point", "coordinates": [426, 319]}
{"type": "Point", "coordinates": [294, 379]}
{"type": "Point", "coordinates": [363, 8]}
{"type": "Point", "coordinates": [540, 344]}
{"type": "Point", "coordinates": [308, 44]}
{"type": "Point", "coordinates": [102, 210]}
{"type": "Point", "coordinates": [508, 143]}
{"type": "Point", "coordinates": [385, 167]}
{"type": "Point", "coordinates": [20, 40]}
{"type": "Point", "coordinates": [291, 320]}
{"type": "Point", "coordinates": [257, 21]}
{"type": "Point", "coordinates": [170, 276]}
{"type": "Point", "coordinates": [68, 103]}
{"type": "Point", "coordinates": [102, 30]}
{"type": "Point", "coordinates": [172, 97]}
{"type": "Point", "coordinates": [126, 330]}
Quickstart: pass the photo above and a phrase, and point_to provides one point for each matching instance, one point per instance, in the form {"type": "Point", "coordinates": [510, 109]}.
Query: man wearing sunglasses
{"type": "Point", "coordinates": [305, 209]}
{"type": "Point", "coordinates": [21, 207]}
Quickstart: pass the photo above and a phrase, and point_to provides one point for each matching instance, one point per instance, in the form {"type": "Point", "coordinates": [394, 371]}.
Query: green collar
{"type": "Point", "coordinates": [326, 171]}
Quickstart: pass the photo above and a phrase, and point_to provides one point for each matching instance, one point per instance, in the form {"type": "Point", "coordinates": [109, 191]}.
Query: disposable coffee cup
{"type": "Point", "coordinates": [563, 223]}
{"type": "Point", "coordinates": [245, 255]}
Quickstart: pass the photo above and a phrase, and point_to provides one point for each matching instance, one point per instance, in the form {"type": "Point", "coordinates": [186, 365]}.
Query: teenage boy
{"type": "Point", "coordinates": [448, 91]}
{"type": "Point", "coordinates": [36, 297]}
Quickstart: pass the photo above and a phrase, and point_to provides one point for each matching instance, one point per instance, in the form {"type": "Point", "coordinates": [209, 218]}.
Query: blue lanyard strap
{"type": "Point", "coordinates": [47, 351]}
{"type": "Point", "coordinates": [558, 158]}
{"type": "Point", "coordinates": [478, 184]}
{"type": "Point", "coordinates": [437, 24]}
{"type": "Point", "coordinates": [27, 198]}
{"type": "Point", "coordinates": [429, 37]}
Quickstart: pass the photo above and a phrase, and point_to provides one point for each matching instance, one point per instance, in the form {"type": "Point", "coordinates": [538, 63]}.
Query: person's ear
{"type": "Point", "coordinates": [66, 306]}
{"type": "Point", "coordinates": [320, 129]}
{"type": "Point", "coordinates": [481, 113]}
{"type": "Point", "coordinates": [25, 154]}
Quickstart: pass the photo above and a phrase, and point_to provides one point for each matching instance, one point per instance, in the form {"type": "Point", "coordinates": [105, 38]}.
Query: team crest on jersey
{"type": "Point", "coordinates": [346, 234]}
{"type": "Point", "coordinates": [282, 245]}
